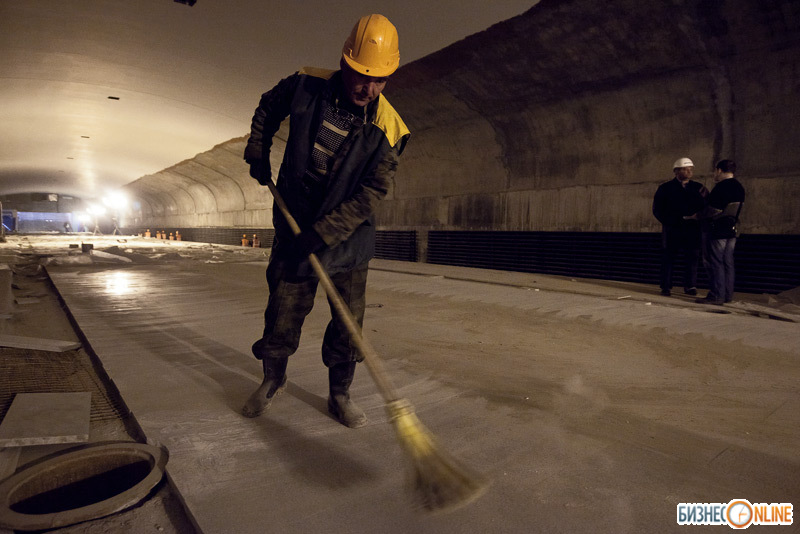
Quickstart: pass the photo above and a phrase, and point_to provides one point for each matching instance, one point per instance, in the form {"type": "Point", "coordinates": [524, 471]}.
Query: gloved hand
{"type": "Point", "coordinates": [306, 243]}
{"type": "Point", "coordinates": [261, 171]}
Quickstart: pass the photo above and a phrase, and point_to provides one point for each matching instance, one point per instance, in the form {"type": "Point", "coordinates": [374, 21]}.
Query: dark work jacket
{"type": "Point", "coordinates": [359, 176]}
{"type": "Point", "coordinates": [671, 203]}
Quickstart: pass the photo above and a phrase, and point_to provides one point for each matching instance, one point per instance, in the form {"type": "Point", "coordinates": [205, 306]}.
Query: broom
{"type": "Point", "coordinates": [440, 482]}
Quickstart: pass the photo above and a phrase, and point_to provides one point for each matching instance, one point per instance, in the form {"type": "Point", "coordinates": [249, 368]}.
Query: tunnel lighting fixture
{"type": "Point", "coordinates": [113, 98]}
{"type": "Point", "coordinates": [84, 137]}
{"type": "Point", "coordinates": [116, 200]}
{"type": "Point", "coordinates": [95, 210]}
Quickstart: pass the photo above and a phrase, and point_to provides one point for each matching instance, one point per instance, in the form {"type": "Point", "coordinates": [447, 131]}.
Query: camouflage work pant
{"type": "Point", "coordinates": [291, 300]}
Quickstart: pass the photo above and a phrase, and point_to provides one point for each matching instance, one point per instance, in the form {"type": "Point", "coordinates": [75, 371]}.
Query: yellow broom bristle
{"type": "Point", "coordinates": [440, 482]}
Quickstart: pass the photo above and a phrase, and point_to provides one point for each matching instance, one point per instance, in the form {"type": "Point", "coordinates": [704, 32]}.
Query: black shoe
{"type": "Point", "coordinates": [666, 292]}
{"type": "Point", "coordinates": [691, 291]}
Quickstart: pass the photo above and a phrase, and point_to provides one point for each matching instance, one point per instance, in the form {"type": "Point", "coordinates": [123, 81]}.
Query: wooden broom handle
{"type": "Point", "coordinates": [371, 358]}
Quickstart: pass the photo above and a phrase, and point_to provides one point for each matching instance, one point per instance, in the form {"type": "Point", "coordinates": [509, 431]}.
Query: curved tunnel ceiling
{"type": "Point", "coordinates": [98, 93]}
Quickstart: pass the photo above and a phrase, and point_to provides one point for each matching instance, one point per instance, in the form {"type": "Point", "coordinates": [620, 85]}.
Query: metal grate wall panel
{"type": "Point", "coordinates": [764, 263]}
{"type": "Point", "coordinates": [396, 245]}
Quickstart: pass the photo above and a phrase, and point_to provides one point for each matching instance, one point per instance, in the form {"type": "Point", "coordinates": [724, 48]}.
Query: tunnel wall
{"type": "Point", "coordinates": [565, 118]}
{"type": "Point", "coordinates": [211, 190]}
{"type": "Point", "coordinates": [568, 117]}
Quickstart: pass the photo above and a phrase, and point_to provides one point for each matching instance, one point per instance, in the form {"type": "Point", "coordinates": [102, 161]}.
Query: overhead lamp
{"type": "Point", "coordinates": [96, 210]}
{"type": "Point", "coordinates": [116, 200]}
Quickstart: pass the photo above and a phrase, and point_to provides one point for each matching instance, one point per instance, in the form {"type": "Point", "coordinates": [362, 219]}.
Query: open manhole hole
{"type": "Point", "coordinates": [80, 484]}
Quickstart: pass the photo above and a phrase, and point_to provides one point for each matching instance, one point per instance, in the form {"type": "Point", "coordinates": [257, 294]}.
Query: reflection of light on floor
{"type": "Point", "coordinates": [119, 283]}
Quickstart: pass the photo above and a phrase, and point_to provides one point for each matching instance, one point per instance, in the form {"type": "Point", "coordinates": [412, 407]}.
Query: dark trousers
{"type": "Point", "coordinates": [674, 241]}
{"type": "Point", "coordinates": [291, 300]}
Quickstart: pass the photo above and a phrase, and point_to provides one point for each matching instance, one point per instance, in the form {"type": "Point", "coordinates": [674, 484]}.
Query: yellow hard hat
{"type": "Point", "coordinates": [372, 47]}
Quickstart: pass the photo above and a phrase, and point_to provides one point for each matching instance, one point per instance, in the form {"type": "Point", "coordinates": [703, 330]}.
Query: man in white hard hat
{"type": "Point", "coordinates": [340, 159]}
{"type": "Point", "coordinates": [675, 205]}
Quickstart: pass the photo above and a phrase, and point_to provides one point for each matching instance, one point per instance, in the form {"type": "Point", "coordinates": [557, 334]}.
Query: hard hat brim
{"type": "Point", "coordinates": [376, 72]}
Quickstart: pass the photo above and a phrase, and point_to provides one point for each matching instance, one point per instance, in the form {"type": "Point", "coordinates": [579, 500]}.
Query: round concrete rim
{"type": "Point", "coordinates": [156, 456]}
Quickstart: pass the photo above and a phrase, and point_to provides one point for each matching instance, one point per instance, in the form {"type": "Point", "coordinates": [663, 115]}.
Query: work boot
{"type": "Point", "coordinates": [345, 410]}
{"type": "Point", "coordinates": [274, 383]}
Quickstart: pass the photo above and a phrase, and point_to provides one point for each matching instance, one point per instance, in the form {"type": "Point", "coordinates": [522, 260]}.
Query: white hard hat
{"type": "Point", "coordinates": [682, 162]}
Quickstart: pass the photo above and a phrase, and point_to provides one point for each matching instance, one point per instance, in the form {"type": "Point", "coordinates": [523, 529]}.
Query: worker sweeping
{"type": "Point", "coordinates": [340, 160]}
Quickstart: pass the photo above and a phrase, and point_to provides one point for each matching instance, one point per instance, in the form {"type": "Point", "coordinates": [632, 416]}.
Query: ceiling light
{"type": "Point", "coordinates": [115, 200]}
{"type": "Point", "coordinates": [94, 209]}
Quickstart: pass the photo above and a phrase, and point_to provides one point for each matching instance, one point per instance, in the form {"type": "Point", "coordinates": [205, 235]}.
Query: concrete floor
{"type": "Point", "coordinates": [591, 406]}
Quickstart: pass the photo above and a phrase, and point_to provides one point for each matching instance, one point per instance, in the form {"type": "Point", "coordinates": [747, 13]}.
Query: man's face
{"type": "Point", "coordinates": [361, 89]}
{"type": "Point", "coordinates": [684, 174]}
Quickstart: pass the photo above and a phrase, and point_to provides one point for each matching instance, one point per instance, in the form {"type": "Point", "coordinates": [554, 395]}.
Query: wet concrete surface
{"type": "Point", "coordinates": [591, 406]}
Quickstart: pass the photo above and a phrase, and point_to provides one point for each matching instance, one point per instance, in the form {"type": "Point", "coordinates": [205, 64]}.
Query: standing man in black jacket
{"type": "Point", "coordinates": [340, 160]}
{"type": "Point", "coordinates": [675, 205]}
{"type": "Point", "coordinates": [720, 232]}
